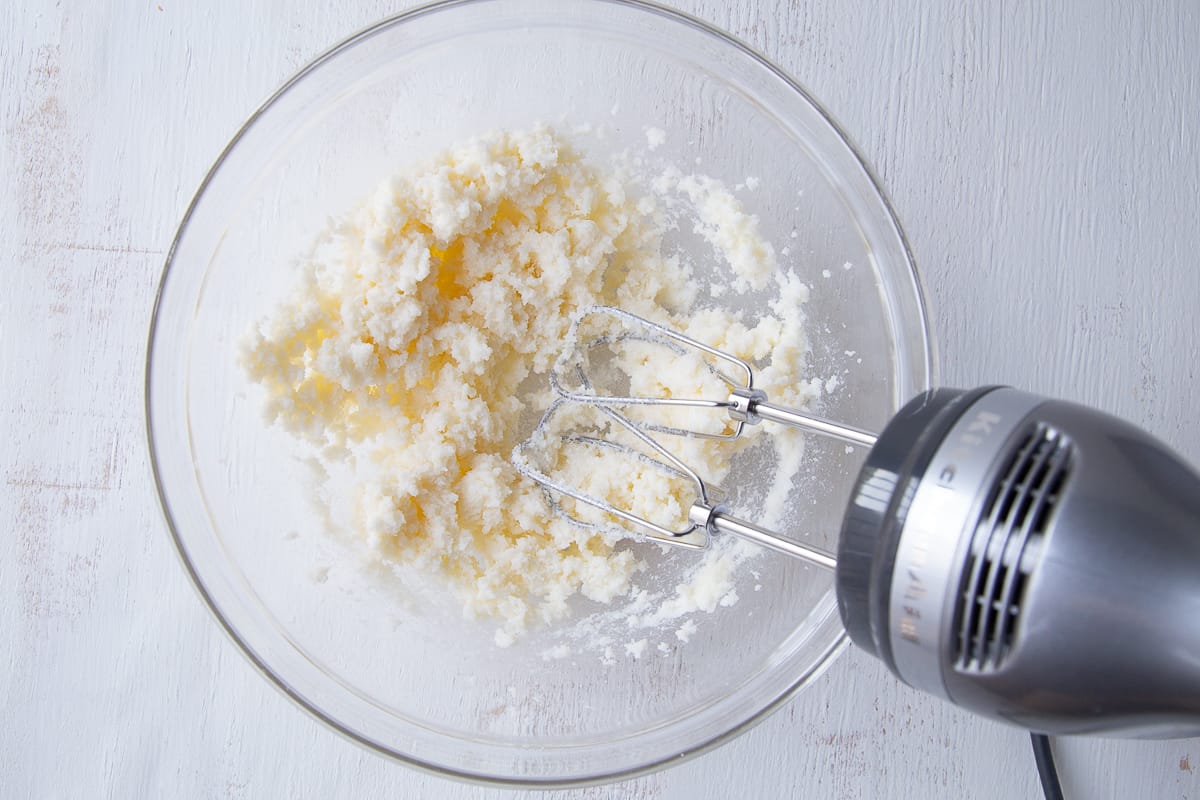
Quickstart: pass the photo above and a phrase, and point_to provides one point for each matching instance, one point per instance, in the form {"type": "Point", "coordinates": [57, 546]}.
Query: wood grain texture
{"type": "Point", "coordinates": [1044, 159]}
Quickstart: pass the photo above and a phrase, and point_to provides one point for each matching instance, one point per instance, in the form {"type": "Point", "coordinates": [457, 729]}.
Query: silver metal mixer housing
{"type": "Point", "coordinates": [1032, 560]}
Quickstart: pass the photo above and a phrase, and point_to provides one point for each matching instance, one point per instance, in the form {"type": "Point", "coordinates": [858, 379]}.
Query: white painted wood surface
{"type": "Point", "coordinates": [1044, 158]}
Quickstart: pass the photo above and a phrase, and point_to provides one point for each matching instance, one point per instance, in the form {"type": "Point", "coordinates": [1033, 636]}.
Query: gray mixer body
{"type": "Point", "coordinates": [1032, 560]}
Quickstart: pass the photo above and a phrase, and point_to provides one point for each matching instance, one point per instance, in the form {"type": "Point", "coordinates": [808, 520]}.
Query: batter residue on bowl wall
{"type": "Point", "coordinates": [406, 351]}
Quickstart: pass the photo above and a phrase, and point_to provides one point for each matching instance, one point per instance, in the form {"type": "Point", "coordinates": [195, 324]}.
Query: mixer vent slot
{"type": "Point", "coordinates": [1006, 547]}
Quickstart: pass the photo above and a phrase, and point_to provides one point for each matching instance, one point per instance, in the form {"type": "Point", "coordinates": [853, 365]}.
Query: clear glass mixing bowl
{"type": "Point", "coordinates": [427, 688]}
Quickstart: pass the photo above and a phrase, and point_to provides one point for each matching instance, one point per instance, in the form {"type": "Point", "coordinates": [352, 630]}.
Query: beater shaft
{"type": "Point", "coordinates": [713, 520]}
{"type": "Point", "coordinates": [750, 405]}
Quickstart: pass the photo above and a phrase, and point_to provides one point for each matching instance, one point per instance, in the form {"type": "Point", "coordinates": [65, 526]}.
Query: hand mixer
{"type": "Point", "coordinates": [1026, 558]}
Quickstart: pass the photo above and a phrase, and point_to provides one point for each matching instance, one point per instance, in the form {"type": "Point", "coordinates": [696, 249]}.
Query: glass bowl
{"type": "Point", "coordinates": [426, 687]}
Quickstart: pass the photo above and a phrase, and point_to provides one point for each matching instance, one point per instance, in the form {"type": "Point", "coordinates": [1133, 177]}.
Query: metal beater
{"type": "Point", "coordinates": [1032, 560]}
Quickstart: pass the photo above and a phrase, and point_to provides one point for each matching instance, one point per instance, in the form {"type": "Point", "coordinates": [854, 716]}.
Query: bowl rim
{"type": "Point", "coordinates": [825, 659]}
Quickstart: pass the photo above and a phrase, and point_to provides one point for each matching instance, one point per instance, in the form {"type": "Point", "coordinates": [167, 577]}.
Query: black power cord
{"type": "Point", "coordinates": [1045, 766]}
